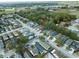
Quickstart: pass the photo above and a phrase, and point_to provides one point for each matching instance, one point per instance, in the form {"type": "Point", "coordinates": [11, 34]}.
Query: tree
{"type": "Point", "coordinates": [20, 44]}
{"type": "Point", "coordinates": [42, 38]}
{"type": "Point", "coordinates": [59, 42]}
{"type": "Point", "coordinates": [50, 19]}
{"type": "Point", "coordinates": [73, 36]}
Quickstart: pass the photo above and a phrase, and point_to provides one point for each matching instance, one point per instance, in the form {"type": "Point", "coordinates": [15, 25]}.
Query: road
{"type": "Point", "coordinates": [53, 44]}
{"type": "Point", "coordinates": [23, 25]}
{"type": "Point", "coordinates": [31, 29]}
{"type": "Point", "coordinates": [10, 31]}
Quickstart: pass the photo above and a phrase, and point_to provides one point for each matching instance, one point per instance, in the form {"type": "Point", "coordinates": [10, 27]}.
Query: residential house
{"type": "Point", "coordinates": [40, 48]}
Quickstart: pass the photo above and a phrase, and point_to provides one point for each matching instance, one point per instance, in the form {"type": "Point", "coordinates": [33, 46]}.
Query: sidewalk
{"type": "Point", "coordinates": [62, 50]}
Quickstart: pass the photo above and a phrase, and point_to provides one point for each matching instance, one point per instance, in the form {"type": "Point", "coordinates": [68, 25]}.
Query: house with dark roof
{"type": "Point", "coordinates": [64, 38]}
{"type": "Point", "coordinates": [54, 33]}
{"type": "Point", "coordinates": [75, 45]}
{"type": "Point", "coordinates": [44, 45]}
{"type": "Point", "coordinates": [39, 48]}
{"type": "Point", "coordinates": [69, 42]}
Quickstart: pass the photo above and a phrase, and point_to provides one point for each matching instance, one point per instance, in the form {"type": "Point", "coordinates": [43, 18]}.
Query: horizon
{"type": "Point", "coordinates": [37, 1]}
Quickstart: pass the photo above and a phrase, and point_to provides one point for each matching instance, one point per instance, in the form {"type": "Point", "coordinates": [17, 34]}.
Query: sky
{"type": "Point", "coordinates": [31, 0]}
{"type": "Point", "coordinates": [21, 0]}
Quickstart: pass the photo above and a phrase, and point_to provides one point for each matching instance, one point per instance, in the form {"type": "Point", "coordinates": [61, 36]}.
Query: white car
{"type": "Point", "coordinates": [31, 37]}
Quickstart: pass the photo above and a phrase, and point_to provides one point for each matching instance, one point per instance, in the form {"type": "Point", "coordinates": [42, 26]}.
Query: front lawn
{"type": "Point", "coordinates": [59, 42]}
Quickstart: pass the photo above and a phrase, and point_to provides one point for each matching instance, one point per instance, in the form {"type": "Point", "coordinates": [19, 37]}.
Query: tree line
{"type": "Point", "coordinates": [50, 19]}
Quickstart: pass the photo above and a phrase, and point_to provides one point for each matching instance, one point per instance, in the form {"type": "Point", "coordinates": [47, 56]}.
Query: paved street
{"type": "Point", "coordinates": [10, 31]}
{"type": "Point", "coordinates": [53, 44]}
{"type": "Point", "coordinates": [37, 33]}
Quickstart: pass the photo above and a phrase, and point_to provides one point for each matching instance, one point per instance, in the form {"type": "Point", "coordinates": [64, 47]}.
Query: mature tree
{"type": "Point", "coordinates": [50, 20]}
{"type": "Point", "coordinates": [20, 44]}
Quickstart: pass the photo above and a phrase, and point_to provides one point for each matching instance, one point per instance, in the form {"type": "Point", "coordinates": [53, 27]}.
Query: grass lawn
{"type": "Point", "coordinates": [62, 11]}
{"type": "Point", "coordinates": [75, 12]}
{"type": "Point", "coordinates": [77, 26]}
{"type": "Point", "coordinates": [59, 42]}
